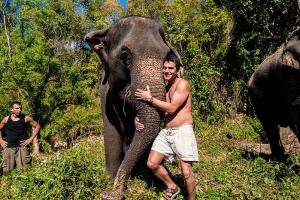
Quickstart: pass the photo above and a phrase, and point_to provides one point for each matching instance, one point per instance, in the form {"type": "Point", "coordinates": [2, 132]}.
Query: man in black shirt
{"type": "Point", "coordinates": [15, 150]}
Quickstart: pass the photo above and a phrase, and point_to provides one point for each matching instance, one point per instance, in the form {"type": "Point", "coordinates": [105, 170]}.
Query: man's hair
{"type": "Point", "coordinates": [15, 103]}
{"type": "Point", "coordinates": [174, 59]}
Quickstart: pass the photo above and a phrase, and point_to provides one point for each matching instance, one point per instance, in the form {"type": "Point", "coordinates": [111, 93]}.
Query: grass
{"type": "Point", "coordinates": [226, 171]}
{"type": "Point", "coordinates": [77, 173]}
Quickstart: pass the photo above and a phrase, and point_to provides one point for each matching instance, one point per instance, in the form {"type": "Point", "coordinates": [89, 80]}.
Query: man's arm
{"type": "Point", "coordinates": [36, 127]}
{"type": "Point", "coordinates": [2, 124]}
{"type": "Point", "coordinates": [179, 97]}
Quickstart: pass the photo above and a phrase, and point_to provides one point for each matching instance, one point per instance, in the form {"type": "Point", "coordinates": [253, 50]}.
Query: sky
{"type": "Point", "coordinates": [123, 3]}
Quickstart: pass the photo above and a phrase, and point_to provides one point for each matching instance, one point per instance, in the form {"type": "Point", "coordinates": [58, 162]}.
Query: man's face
{"type": "Point", "coordinates": [16, 109]}
{"type": "Point", "coordinates": [169, 70]}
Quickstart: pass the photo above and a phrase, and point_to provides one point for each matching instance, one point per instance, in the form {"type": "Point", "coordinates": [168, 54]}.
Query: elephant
{"type": "Point", "coordinates": [274, 91]}
{"type": "Point", "coordinates": [132, 52]}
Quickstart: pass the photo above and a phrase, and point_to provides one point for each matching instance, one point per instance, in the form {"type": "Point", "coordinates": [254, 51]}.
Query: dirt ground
{"type": "Point", "coordinates": [288, 138]}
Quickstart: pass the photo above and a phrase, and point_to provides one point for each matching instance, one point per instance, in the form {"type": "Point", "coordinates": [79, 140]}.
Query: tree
{"type": "Point", "coordinates": [46, 70]}
{"type": "Point", "coordinates": [259, 28]}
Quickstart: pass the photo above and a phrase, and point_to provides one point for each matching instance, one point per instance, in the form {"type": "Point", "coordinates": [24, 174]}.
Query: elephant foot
{"type": "Point", "coordinates": [110, 195]}
{"type": "Point", "coordinates": [279, 157]}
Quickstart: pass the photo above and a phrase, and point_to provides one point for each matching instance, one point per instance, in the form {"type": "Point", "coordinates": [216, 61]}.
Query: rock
{"type": "Point", "coordinates": [110, 195]}
{"type": "Point", "coordinates": [229, 135]}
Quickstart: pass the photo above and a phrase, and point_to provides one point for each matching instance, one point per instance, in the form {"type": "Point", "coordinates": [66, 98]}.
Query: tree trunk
{"type": "Point", "coordinates": [7, 35]}
{"type": "Point", "coordinates": [36, 147]}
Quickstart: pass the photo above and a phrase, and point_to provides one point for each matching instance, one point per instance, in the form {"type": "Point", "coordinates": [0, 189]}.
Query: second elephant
{"type": "Point", "coordinates": [274, 91]}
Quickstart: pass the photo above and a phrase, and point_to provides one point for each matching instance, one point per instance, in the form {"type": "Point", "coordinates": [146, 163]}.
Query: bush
{"type": "Point", "coordinates": [77, 173]}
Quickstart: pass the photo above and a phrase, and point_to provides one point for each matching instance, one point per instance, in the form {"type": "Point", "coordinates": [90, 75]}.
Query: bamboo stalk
{"type": "Point", "coordinates": [7, 35]}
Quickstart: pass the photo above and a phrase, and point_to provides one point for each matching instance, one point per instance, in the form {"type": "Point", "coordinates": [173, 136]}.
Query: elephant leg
{"type": "Point", "coordinates": [295, 114]}
{"type": "Point", "coordinates": [272, 131]}
{"type": "Point", "coordinates": [271, 128]}
{"type": "Point", "coordinates": [265, 112]}
{"type": "Point", "coordinates": [134, 153]}
{"type": "Point", "coordinates": [113, 142]}
{"type": "Point", "coordinates": [132, 156]}
{"type": "Point", "coordinates": [113, 146]}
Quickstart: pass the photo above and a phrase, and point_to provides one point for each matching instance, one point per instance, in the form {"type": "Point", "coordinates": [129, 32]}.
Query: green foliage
{"type": "Point", "coordinates": [240, 127]}
{"type": "Point", "coordinates": [47, 68]}
{"type": "Point", "coordinates": [235, 173]}
{"type": "Point", "coordinates": [226, 171]}
{"type": "Point", "coordinates": [101, 14]}
{"type": "Point", "coordinates": [259, 28]}
{"type": "Point", "coordinates": [74, 174]}
{"type": "Point", "coordinates": [73, 123]}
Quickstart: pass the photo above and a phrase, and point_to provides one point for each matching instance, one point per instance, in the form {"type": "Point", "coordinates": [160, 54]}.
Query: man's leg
{"type": "Point", "coordinates": [187, 172]}
{"type": "Point", "coordinates": [154, 163]}
{"type": "Point", "coordinates": [8, 160]}
{"type": "Point", "coordinates": [23, 158]}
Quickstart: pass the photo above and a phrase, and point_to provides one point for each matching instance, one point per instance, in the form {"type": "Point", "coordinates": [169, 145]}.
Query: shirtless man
{"type": "Point", "coordinates": [15, 151]}
{"type": "Point", "coordinates": [177, 138]}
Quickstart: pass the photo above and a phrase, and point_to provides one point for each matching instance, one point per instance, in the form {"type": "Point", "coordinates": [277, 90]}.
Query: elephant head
{"type": "Point", "coordinates": [291, 52]}
{"type": "Point", "coordinates": [274, 90]}
{"type": "Point", "coordinates": [132, 53]}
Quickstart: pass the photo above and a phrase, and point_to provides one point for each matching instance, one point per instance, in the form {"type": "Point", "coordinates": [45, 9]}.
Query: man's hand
{"type": "Point", "coordinates": [138, 125]}
{"type": "Point", "coordinates": [143, 95]}
{"type": "Point", "coordinates": [24, 143]}
{"type": "Point", "coordinates": [3, 143]}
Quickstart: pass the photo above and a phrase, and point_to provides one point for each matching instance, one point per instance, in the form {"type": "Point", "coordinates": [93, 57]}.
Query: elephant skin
{"type": "Point", "coordinates": [274, 90]}
{"type": "Point", "coordinates": [132, 53]}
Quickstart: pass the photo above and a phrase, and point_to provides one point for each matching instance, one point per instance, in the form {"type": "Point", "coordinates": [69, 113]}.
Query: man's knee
{"type": "Point", "coordinates": [152, 165]}
{"type": "Point", "coordinates": [187, 172]}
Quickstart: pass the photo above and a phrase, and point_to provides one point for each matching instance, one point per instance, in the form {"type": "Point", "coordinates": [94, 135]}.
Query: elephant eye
{"type": "Point", "coordinates": [125, 57]}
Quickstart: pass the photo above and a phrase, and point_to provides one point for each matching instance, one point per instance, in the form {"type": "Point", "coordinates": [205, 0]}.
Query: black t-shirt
{"type": "Point", "coordinates": [16, 131]}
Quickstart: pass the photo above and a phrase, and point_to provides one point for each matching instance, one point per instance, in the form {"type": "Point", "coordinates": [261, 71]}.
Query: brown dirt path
{"type": "Point", "coordinates": [288, 138]}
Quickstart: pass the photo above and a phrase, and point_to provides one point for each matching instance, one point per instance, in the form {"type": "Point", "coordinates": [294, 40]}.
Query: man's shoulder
{"type": "Point", "coordinates": [184, 81]}
{"type": "Point", "coordinates": [183, 84]}
{"type": "Point", "coordinates": [27, 118]}
{"type": "Point", "coordinates": [4, 120]}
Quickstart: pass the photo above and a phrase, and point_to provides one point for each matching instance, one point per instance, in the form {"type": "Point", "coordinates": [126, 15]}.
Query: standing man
{"type": "Point", "coordinates": [15, 151]}
{"type": "Point", "coordinates": [177, 137]}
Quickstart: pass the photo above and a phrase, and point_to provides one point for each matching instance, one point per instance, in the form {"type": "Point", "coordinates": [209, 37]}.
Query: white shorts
{"type": "Point", "coordinates": [179, 141]}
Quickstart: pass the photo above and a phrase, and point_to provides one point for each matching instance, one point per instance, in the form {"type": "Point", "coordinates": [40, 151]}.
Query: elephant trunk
{"type": "Point", "coordinates": [148, 71]}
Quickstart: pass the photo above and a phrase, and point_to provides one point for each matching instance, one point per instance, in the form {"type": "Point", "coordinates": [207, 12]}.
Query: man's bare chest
{"type": "Point", "coordinates": [170, 94]}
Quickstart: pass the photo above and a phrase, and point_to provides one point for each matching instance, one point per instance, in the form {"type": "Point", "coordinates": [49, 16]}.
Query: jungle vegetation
{"type": "Point", "coordinates": [45, 64]}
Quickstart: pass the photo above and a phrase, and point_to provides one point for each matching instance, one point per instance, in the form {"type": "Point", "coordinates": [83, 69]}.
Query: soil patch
{"type": "Point", "coordinates": [288, 139]}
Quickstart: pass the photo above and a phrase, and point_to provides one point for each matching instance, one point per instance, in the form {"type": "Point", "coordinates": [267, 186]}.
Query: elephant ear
{"type": "Point", "coordinates": [291, 54]}
{"type": "Point", "coordinates": [96, 39]}
{"type": "Point", "coordinates": [174, 51]}
{"type": "Point", "coordinates": [97, 42]}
